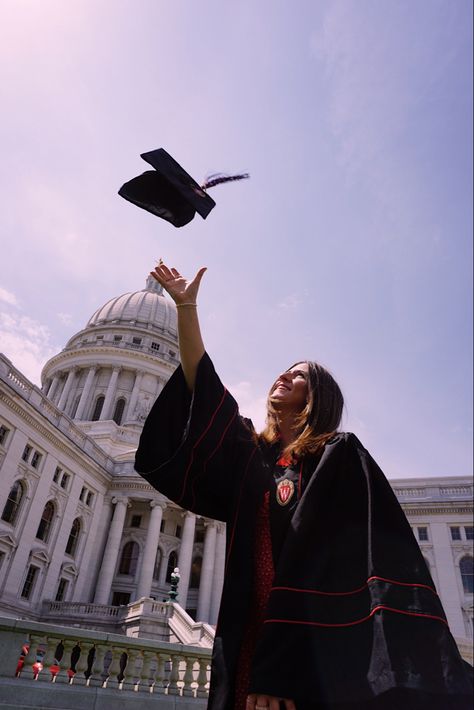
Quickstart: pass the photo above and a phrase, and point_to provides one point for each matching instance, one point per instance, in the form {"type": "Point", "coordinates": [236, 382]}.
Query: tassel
{"type": "Point", "coordinates": [218, 178]}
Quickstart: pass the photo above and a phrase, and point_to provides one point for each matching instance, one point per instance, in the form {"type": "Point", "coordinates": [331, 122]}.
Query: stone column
{"type": "Point", "coordinates": [185, 558]}
{"type": "Point", "coordinates": [67, 388]}
{"type": "Point", "coordinates": [219, 569]}
{"type": "Point", "coordinates": [109, 395]}
{"type": "Point", "coordinates": [205, 587]}
{"type": "Point", "coordinates": [448, 587]}
{"type": "Point", "coordinates": [134, 397]}
{"type": "Point", "coordinates": [109, 560]}
{"type": "Point", "coordinates": [54, 386]}
{"type": "Point", "coordinates": [149, 553]}
{"type": "Point", "coordinates": [85, 393]}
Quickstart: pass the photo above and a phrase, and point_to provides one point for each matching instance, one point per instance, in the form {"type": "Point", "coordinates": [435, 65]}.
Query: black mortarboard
{"type": "Point", "coordinates": [169, 192]}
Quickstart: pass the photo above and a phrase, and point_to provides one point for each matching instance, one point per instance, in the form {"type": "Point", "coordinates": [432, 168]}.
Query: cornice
{"type": "Point", "coordinates": [55, 436]}
{"type": "Point", "coordinates": [135, 355]}
{"type": "Point", "coordinates": [437, 510]}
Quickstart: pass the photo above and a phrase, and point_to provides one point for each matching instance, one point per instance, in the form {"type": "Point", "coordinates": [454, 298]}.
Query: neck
{"type": "Point", "coordinates": [286, 422]}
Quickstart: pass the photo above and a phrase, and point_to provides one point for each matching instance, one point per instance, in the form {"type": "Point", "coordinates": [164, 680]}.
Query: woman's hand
{"type": "Point", "coordinates": [180, 290]}
{"type": "Point", "coordinates": [256, 701]}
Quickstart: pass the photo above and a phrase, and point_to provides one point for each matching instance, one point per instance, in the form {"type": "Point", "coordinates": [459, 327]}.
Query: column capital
{"type": "Point", "coordinates": [210, 524]}
{"type": "Point", "coordinates": [121, 499]}
{"type": "Point", "coordinates": [187, 514]}
{"type": "Point", "coordinates": [160, 503]}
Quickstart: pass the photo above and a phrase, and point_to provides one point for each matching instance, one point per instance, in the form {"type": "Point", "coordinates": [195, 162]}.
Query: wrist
{"type": "Point", "coordinates": [188, 304]}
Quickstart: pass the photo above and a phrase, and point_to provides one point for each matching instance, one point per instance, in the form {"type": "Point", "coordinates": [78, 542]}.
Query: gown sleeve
{"type": "Point", "coordinates": [191, 443]}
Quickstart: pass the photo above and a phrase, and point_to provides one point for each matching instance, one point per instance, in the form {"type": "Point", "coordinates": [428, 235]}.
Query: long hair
{"type": "Point", "coordinates": [319, 419]}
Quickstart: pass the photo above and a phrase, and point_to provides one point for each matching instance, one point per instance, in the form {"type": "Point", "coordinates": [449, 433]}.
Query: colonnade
{"type": "Point", "coordinates": [212, 571]}
{"type": "Point", "coordinates": [61, 396]}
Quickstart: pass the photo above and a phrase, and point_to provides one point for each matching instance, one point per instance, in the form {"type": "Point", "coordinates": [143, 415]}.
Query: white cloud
{"type": "Point", "coordinates": [65, 318]}
{"type": "Point", "coordinates": [8, 297]}
{"type": "Point", "coordinates": [27, 343]}
{"type": "Point", "coordinates": [290, 303]}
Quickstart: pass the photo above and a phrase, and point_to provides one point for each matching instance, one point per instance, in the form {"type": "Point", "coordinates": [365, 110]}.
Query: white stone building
{"type": "Point", "coordinates": [81, 534]}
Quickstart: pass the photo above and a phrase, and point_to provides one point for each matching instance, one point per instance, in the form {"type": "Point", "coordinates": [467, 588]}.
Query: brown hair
{"type": "Point", "coordinates": [319, 419]}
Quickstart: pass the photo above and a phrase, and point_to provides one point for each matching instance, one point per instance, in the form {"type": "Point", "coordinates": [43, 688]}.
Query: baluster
{"type": "Point", "coordinates": [64, 675]}
{"type": "Point", "coordinates": [97, 677]}
{"type": "Point", "coordinates": [146, 673]}
{"type": "Point", "coordinates": [114, 668]}
{"type": "Point", "coordinates": [173, 688]}
{"type": "Point", "coordinates": [49, 659]}
{"type": "Point", "coordinates": [159, 686]}
{"type": "Point", "coordinates": [202, 678]}
{"type": "Point", "coordinates": [81, 665]}
{"type": "Point", "coordinates": [130, 679]}
{"type": "Point", "coordinates": [188, 677]}
{"type": "Point", "coordinates": [30, 667]}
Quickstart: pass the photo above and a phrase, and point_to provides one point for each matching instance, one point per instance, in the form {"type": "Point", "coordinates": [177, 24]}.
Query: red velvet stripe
{"type": "Point", "coordinates": [191, 459]}
{"type": "Point", "coordinates": [358, 621]}
{"type": "Point", "coordinates": [354, 591]}
{"type": "Point", "coordinates": [211, 455]}
{"type": "Point", "coordinates": [231, 541]}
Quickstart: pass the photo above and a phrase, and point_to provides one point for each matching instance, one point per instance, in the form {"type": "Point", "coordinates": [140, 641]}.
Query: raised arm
{"type": "Point", "coordinates": [184, 294]}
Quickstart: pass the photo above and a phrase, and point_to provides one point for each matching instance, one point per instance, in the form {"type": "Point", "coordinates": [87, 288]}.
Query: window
{"type": "Point", "coordinates": [118, 411]}
{"type": "Point", "coordinates": [31, 577]}
{"type": "Point", "coordinates": [120, 598]}
{"type": "Point", "coordinates": [73, 539]}
{"type": "Point", "coordinates": [3, 434]}
{"type": "Point", "coordinates": [422, 534]}
{"type": "Point", "coordinates": [129, 558]}
{"type": "Point", "coordinates": [99, 403]}
{"type": "Point", "coordinates": [35, 459]}
{"type": "Point", "coordinates": [172, 353]}
{"type": "Point", "coordinates": [199, 536]}
{"type": "Point", "coordinates": [155, 346]}
{"type": "Point", "coordinates": [83, 493]}
{"type": "Point", "coordinates": [62, 588]}
{"type": "Point", "coordinates": [172, 563]}
{"type": "Point", "coordinates": [44, 526]}
{"type": "Point", "coordinates": [65, 480]}
{"type": "Point", "coordinates": [455, 532]}
{"type": "Point", "coordinates": [162, 526]}
{"type": "Point", "coordinates": [156, 569]}
{"type": "Point", "coordinates": [466, 565]}
{"type": "Point", "coordinates": [469, 530]}
{"type": "Point", "coordinates": [57, 473]}
{"type": "Point", "coordinates": [178, 531]}
{"type": "Point", "coordinates": [99, 337]}
{"type": "Point", "coordinates": [136, 342]}
{"type": "Point", "coordinates": [196, 573]}
{"type": "Point", "coordinates": [117, 338]}
{"type": "Point", "coordinates": [135, 521]}
{"type": "Point", "coordinates": [12, 506]}
{"type": "Point", "coordinates": [89, 498]}
{"type": "Point", "coordinates": [26, 452]}
{"type": "Point", "coordinates": [2, 558]}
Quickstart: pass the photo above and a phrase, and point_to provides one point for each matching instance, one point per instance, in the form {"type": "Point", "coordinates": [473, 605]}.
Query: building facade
{"type": "Point", "coordinates": [79, 526]}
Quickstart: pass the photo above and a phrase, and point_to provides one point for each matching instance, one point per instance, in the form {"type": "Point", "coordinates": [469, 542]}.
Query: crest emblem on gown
{"type": "Point", "coordinates": [285, 490]}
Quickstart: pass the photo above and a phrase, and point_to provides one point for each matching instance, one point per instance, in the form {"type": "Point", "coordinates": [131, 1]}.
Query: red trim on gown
{"type": "Point", "coordinates": [263, 575]}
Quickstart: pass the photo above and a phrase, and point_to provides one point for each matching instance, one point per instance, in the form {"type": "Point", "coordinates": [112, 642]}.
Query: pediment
{"type": "Point", "coordinates": [40, 556]}
{"type": "Point", "coordinates": [7, 539]}
{"type": "Point", "coordinates": [69, 568]}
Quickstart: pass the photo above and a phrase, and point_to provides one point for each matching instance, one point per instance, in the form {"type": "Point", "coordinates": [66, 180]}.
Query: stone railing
{"type": "Point", "coordinates": [188, 631]}
{"type": "Point", "coordinates": [39, 662]}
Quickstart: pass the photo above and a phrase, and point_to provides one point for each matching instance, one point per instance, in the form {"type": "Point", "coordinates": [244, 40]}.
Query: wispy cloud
{"type": "Point", "coordinates": [8, 297]}
{"type": "Point", "coordinates": [65, 318]}
{"type": "Point", "coordinates": [25, 341]}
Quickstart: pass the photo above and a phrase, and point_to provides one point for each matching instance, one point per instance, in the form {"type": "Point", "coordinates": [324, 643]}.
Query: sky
{"type": "Point", "coordinates": [350, 244]}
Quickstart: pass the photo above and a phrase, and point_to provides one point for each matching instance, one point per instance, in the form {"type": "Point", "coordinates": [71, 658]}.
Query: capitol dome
{"type": "Point", "coordinates": [147, 307]}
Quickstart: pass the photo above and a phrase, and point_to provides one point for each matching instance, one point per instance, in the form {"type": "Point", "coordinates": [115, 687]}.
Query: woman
{"type": "Point", "coordinates": [327, 601]}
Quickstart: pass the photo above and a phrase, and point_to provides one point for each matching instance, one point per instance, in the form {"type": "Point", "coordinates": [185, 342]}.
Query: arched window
{"type": "Point", "coordinates": [74, 407]}
{"type": "Point", "coordinates": [99, 403]}
{"type": "Point", "coordinates": [44, 527]}
{"type": "Point", "coordinates": [118, 411]}
{"type": "Point", "coordinates": [172, 563]}
{"type": "Point", "coordinates": [196, 573]}
{"type": "Point", "coordinates": [156, 569]}
{"type": "Point", "coordinates": [129, 559]}
{"type": "Point", "coordinates": [466, 566]}
{"type": "Point", "coordinates": [73, 537]}
{"type": "Point", "coordinates": [12, 506]}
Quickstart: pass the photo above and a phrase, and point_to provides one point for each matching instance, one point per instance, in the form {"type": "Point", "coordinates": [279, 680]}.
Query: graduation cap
{"type": "Point", "coordinates": [169, 192]}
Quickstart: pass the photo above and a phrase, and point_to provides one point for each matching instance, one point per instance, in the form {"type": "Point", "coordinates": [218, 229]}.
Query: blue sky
{"type": "Point", "coordinates": [351, 244]}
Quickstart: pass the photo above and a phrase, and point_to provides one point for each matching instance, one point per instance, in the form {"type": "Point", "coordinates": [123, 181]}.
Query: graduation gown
{"type": "Point", "coordinates": [353, 614]}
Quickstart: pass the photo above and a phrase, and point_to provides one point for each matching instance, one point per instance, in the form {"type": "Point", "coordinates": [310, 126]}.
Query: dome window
{"type": "Point", "coordinates": [99, 403]}
{"type": "Point", "coordinates": [136, 342]}
{"type": "Point", "coordinates": [155, 346]}
{"type": "Point", "coordinates": [117, 338]}
{"type": "Point", "coordinates": [118, 411]}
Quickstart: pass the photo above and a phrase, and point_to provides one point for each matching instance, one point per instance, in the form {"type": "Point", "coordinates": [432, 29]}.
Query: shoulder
{"type": "Point", "coordinates": [345, 439]}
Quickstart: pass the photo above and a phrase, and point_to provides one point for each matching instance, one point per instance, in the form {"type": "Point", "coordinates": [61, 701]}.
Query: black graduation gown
{"type": "Point", "coordinates": [353, 614]}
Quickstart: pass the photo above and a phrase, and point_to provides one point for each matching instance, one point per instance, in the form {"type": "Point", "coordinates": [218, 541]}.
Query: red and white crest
{"type": "Point", "coordinates": [285, 490]}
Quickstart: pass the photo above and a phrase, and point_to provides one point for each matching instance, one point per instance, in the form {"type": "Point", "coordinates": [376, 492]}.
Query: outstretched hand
{"type": "Point", "coordinates": [180, 289]}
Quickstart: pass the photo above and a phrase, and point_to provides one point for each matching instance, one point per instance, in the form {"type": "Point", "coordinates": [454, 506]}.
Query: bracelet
{"type": "Point", "coordinates": [181, 305]}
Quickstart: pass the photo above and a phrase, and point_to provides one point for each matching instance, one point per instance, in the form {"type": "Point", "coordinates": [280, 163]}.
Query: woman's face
{"type": "Point", "coordinates": [291, 388]}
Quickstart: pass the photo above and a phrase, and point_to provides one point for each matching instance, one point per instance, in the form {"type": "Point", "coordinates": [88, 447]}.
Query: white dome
{"type": "Point", "coordinates": [148, 307]}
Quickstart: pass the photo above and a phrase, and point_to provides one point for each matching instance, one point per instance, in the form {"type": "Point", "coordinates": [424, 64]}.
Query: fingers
{"type": "Point", "coordinates": [289, 704]}
{"type": "Point", "coordinates": [267, 702]}
{"type": "Point", "coordinates": [197, 279]}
